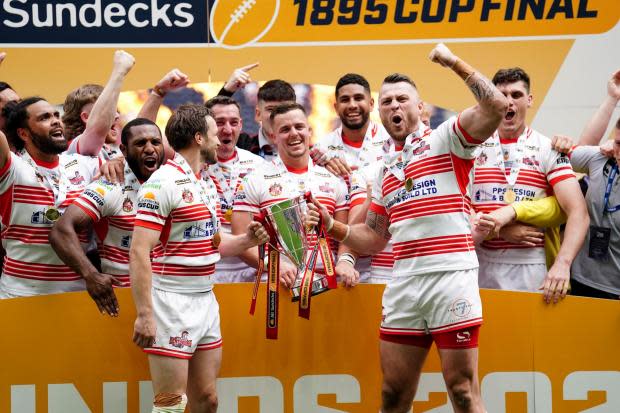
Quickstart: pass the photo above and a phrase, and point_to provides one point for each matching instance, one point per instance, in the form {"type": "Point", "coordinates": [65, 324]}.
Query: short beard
{"type": "Point", "coordinates": [47, 145]}
{"type": "Point", "coordinates": [356, 126]}
{"type": "Point", "coordinates": [134, 164]}
{"type": "Point", "coordinates": [208, 156]}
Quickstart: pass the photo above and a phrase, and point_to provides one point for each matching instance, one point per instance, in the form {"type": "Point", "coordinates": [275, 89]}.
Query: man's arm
{"type": "Point", "coordinates": [595, 129]}
{"type": "Point", "coordinates": [174, 79]}
{"type": "Point", "coordinates": [482, 120]}
{"type": "Point", "coordinates": [239, 224]}
{"type": "Point", "coordinates": [103, 114]}
{"type": "Point", "coordinates": [234, 245]}
{"type": "Point", "coordinates": [64, 240]}
{"type": "Point", "coordinates": [568, 194]}
{"type": "Point", "coordinates": [239, 78]}
{"type": "Point", "coordinates": [143, 241]}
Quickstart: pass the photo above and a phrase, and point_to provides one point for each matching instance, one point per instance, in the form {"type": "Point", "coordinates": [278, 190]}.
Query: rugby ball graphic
{"type": "Point", "coordinates": [239, 23]}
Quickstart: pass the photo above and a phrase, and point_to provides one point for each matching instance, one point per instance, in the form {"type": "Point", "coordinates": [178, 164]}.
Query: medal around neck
{"type": "Point", "coordinates": [52, 214]}
{"type": "Point", "coordinates": [510, 196]}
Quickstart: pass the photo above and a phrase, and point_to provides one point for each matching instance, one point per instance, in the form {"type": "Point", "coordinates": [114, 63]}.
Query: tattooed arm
{"type": "Point", "coordinates": [367, 239]}
{"type": "Point", "coordinates": [482, 120]}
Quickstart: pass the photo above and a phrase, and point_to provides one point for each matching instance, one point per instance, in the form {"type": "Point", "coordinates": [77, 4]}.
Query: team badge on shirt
{"type": "Point", "coordinates": [77, 179]}
{"type": "Point", "coordinates": [275, 189]}
{"type": "Point", "coordinates": [481, 159]}
{"type": "Point", "coordinates": [187, 195]}
{"type": "Point", "coordinates": [127, 205]}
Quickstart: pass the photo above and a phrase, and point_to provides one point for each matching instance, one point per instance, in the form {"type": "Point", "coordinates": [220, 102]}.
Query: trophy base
{"type": "Point", "coordinates": [319, 285]}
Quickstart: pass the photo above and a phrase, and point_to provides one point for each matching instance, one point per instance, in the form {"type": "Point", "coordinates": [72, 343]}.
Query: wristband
{"type": "Point", "coordinates": [158, 91]}
{"type": "Point", "coordinates": [348, 257]}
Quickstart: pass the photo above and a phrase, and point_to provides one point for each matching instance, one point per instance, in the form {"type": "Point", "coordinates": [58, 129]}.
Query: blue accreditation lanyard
{"type": "Point", "coordinates": [610, 180]}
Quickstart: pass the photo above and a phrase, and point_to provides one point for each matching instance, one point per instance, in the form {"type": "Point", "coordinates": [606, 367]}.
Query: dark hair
{"type": "Point", "coordinates": [74, 103]}
{"type": "Point", "coordinates": [398, 78]}
{"type": "Point", "coordinates": [285, 108]}
{"type": "Point", "coordinates": [4, 85]}
{"type": "Point", "coordinates": [16, 114]}
{"type": "Point", "coordinates": [276, 90]}
{"type": "Point", "coordinates": [511, 75]}
{"type": "Point", "coordinates": [221, 100]}
{"type": "Point", "coordinates": [185, 123]}
{"type": "Point", "coordinates": [618, 124]}
{"type": "Point", "coordinates": [352, 79]}
{"type": "Point", "coordinates": [126, 132]}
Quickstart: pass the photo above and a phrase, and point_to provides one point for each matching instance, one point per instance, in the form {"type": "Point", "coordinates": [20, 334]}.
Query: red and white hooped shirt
{"type": "Point", "coordinates": [112, 207]}
{"type": "Point", "coordinates": [28, 188]}
{"type": "Point", "coordinates": [227, 176]}
{"type": "Point", "coordinates": [182, 208]}
{"type": "Point", "coordinates": [538, 168]}
{"type": "Point", "coordinates": [276, 183]}
{"type": "Point", "coordinates": [423, 190]}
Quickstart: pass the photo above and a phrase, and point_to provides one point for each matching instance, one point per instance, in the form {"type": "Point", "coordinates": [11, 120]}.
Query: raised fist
{"type": "Point", "coordinates": [613, 86]}
{"type": "Point", "coordinates": [442, 55]}
{"type": "Point", "coordinates": [123, 61]}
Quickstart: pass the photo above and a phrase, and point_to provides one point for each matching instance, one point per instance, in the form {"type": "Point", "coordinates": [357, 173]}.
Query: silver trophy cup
{"type": "Point", "coordinates": [286, 220]}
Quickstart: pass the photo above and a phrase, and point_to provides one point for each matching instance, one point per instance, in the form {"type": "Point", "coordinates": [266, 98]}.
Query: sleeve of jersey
{"type": "Point", "coordinates": [558, 167]}
{"type": "Point", "coordinates": [8, 173]}
{"type": "Point", "coordinates": [342, 197]}
{"type": "Point", "coordinates": [357, 193]}
{"type": "Point", "coordinates": [92, 201]}
{"type": "Point", "coordinates": [544, 212]}
{"type": "Point", "coordinates": [461, 143]}
{"type": "Point", "coordinates": [581, 156]}
{"type": "Point", "coordinates": [247, 197]}
{"type": "Point", "coordinates": [74, 146]}
{"type": "Point", "coordinates": [377, 206]}
{"type": "Point", "coordinates": [154, 205]}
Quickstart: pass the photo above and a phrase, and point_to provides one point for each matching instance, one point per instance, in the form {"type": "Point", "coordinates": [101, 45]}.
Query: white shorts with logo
{"type": "Point", "coordinates": [514, 277]}
{"type": "Point", "coordinates": [186, 323]}
{"type": "Point", "coordinates": [435, 303]}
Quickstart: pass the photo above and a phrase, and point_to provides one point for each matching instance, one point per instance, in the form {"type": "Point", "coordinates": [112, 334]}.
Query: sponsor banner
{"type": "Point", "coordinates": [240, 23]}
{"type": "Point", "coordinates": [61, 355]}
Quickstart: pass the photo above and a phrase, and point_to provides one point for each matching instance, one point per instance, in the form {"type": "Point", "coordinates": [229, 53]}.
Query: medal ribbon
{"type": "Point", "coordinates": [511, 178]}
{"type": "Point", "coordinates": [397, 161]}
{"type": "Point", "coordinates": [60, 190]}
{"type": "Point", "coordinates": [610, 180]}
{"type": "Point", "coordinates": [182, 163]}
{"type": "Point", "coordinates": [228, 185]}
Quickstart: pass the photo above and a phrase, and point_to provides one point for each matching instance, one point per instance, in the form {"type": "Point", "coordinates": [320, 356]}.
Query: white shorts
{"type": "Point", "coordinates": [515, 277]}
{"type": "Point", "coordinates": [435, 303]}
{"type": "Point", "coordinates": [186, 323]}
{"type": "Point", "coordinates": [5, 294]}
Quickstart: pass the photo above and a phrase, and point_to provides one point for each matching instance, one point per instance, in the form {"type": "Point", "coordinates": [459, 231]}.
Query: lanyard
{"type": "Point", "coordinates": [397, 161]}
{"type": "Point", "coordinates": [57, 181]}
{"type": "Point", "coordinates": [179, 160]}
{"type": "Point", "coordinates": [227, 175]}
{"type": "Point", "coordinates": [518, 159]}
{"type": "Point", "coordinates": [610, 180]}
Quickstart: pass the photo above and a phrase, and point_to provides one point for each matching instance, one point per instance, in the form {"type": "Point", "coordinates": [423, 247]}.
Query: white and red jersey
{"type": "Point", "coordinates": [106, 152]}
{"type": "Point", "coordinates": [227, 176]}
{"type": "Point", "coordinates": [423, 190]}
{"type": "Point", "coordinates": [112, 207]}
{"type": "Point", "coordinates": [276, 183]}
{"type": "Point", "coordinates": [362, 156]}
{"type": "Point", "coordinates": [382, 263]}
{"type": "Point", "coordinates": [534, 166]}
{"type": "Point", "coordinates": [29, 188]}
{"type": "Point", "coordinates": [185, 209]}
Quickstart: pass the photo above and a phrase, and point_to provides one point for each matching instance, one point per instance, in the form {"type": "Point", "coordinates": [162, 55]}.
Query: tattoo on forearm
{"type": "Point", "coordinates": [481, 87]}
{"type": "Point", "coordinates": [379, 224]}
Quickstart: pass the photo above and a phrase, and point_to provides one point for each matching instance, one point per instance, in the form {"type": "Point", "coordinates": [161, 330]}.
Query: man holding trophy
{"type": "Point", "coordinates": [420, 200]}
{"type": "Point", "coordinates": [279, 190]}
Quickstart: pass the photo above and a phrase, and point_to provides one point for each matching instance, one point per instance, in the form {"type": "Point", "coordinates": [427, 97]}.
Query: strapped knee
{"type": "Point", "coordinates": [169, 403]}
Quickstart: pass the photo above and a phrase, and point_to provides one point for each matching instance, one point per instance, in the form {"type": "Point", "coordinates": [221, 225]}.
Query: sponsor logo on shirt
{"type": "Point", "coordinates": [77, 179]}
{"type": "Point", "coordinates": [39, 218]}
{"type": "Point", "coordinates": [125, 241]}
{"type": "Point", "coordinates": [95, 195]}
{"type": "Point", "coordinates": [148, 201]}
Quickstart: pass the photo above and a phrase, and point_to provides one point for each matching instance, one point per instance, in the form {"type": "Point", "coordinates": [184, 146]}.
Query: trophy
{"type": "Point", "coordinates": [286, 219]}
{"type": "Point", "coordinates": [285, 225]}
